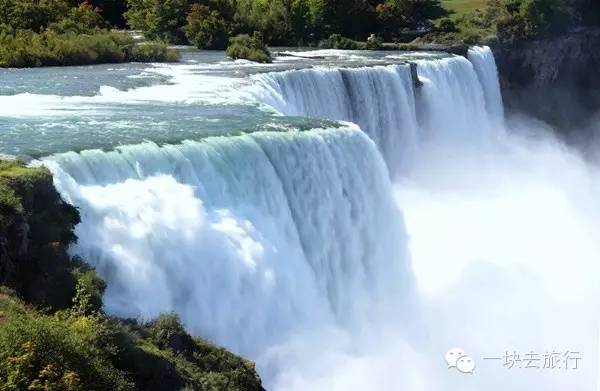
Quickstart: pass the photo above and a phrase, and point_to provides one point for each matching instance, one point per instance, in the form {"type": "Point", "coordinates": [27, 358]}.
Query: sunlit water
{"type": "Point", "coordinates": [256, 202]}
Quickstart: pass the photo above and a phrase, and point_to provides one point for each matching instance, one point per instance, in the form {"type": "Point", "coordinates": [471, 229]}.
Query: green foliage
{"type": "Point", "coordinates": [247, 47]}
{"type": "Point", "coordinates": [80, 20]}
{"type": "Point", "coordinates": [29, 49]}
{"type": "Point", "coordinates": [447, 25]}
{"type": "Point", "coordinates": [513, 21]}
{"type": "Point", "coordinates": [167, 331]}
{"type": "Point", "coordinates": [88, 291]}
{"type": "Point", "coordinates": [199, 361]}
{"type": "Point", "coordinates": [151, 52]}
{"type": "Point", "coordinates": [10, 207]}
{"type": "Point", "coordinates": [55, 352]}
{"type": "Point", "coordinates": [206, 28]}
{"type": "Point", "coordinates": [74, 351]}
{"type": "Point", "coordinates": [160, 19]}
{"type": "Point", "coordinates": [336, 41]}
{"type": "Point", "coordinates": [395, 15]}
{"type": "Point", "coordinates": [282, 22]}
{"type": "Point", "coordinates": [31, 15]}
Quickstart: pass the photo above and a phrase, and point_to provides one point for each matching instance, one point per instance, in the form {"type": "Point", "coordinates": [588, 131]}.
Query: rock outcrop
{"type": "Point", "coordinates": [36, 228]}
{"type": "Point", "coordinates": [554, 79]}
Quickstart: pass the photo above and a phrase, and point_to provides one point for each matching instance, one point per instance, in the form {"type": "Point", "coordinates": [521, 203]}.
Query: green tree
{"type": "Point", "coordinates": [160, 19]}
{"type": "Point", "coordinates": [206, 28]}
{"type": "Point", "coordinates": [84, 18]}
{"type": "Point", "coordinates": [395, 15]}
{"type": "Point", "coordinates": [31, 15]}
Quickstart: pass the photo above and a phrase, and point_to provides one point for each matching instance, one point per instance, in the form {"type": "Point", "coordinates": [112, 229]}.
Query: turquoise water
{"type": "Point", "coordinates": [57, 109]}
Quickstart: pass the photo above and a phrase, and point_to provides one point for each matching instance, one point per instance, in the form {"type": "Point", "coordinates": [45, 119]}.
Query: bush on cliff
{"type": "Point", "coordinates": [69, 350]}
{"type": "Point", "coordinates": [247, 47]}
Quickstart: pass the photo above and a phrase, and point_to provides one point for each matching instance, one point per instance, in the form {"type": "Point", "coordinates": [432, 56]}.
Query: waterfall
{"type": "Point", "coordinates": [380, 100]}
{"type": "Point", "coordinates": [459, 103]}
{"type": "Point", "coordinates": [248, 238]}
{"type": "Point", "coordinates": [484, 63]}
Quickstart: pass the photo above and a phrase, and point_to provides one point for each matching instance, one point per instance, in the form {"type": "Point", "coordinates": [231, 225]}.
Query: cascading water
{"type": "Point", "coordinates": [380, 100]}
{"type": "Point", "coordinates": [249, 238]}
{"type": "Point", "coordinates": [451, 105]}
{"type": "Point", "coordinates": [484, 63]}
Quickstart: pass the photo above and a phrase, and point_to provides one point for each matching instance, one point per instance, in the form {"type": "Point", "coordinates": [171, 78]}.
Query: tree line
{"type": "Point", "coordinates": [209, 24]}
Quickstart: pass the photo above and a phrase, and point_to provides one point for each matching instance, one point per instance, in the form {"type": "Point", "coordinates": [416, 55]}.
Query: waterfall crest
{"type": "Point", "coordinates": [458, 104]}
{"type": "Point", "coordinates": [380, 100]}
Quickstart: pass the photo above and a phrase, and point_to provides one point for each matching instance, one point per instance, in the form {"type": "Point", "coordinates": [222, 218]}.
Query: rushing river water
{"type": "Point", "coordinates": [328, 217]}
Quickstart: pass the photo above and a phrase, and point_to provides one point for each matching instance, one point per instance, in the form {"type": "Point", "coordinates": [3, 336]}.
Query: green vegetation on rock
{"type": "Point", "coordinates": [53, 332]}
{"type": "Point", "coordinates": [247, 47]}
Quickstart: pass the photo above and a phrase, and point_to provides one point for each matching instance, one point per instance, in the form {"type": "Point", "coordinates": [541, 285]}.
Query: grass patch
{"type": "Point", "coordinates": [460, 8]}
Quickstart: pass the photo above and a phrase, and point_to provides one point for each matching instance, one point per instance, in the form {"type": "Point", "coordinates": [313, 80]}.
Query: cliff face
{"type": "Point", "coordinates": [553, 79]}
{"type": "Point", "coordinates": [36, 228]}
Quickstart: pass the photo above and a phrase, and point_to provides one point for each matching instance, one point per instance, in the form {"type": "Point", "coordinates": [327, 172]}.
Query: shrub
{"type": "Point", "coordinates": [248, 48]}
{"type": "Point", "coordinates": [167, 332]}
{"type": "Point", "coordinates": [29, 49]}
{"type": "Point", "coordinates": [336, 41]}
{"type": "Point", "coordinates": [206, 29]}
{"type": "Point", "coordinates": [89, 289]}
{"type": "Point", "coordinates": [55, 352]}
{"type": "Point", "coordinates": [152, 52]}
